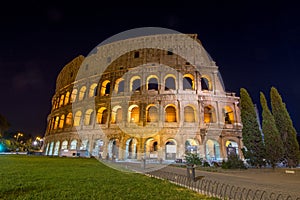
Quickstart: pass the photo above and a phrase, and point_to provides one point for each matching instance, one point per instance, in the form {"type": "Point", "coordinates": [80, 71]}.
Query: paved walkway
{"type": "Point", "coordinates": [278, 181]}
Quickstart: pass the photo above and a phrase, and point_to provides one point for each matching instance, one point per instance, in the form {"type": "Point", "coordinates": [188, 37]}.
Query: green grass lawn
{"type": "Point", "coordinates": [37, 177]}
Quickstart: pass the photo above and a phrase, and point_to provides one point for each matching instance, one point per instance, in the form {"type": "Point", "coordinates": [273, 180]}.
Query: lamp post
{"type": "Point", "coordinates": [18, 135]}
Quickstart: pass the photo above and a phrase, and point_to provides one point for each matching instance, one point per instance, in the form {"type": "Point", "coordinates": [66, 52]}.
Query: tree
{"type": "Point", "coordinates": [272, 139]}
{"type": "Point", "coordinates": [286, 129]}
{"type": "Point", "coordinates": [252, 137]}
{"type": "Point", "coordinates": [4, 125]}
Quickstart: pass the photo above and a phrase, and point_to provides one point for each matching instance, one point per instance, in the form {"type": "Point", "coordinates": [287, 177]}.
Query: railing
{"type": "Point", "coordinates": [217, 189]}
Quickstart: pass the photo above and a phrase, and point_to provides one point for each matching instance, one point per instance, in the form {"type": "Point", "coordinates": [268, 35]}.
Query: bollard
{"type": "Point", "coordinates": [190, 172]}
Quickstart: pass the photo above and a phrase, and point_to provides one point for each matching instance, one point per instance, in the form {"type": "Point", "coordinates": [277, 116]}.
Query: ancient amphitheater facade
{"type": "Point", "coordinates": [159, 101]}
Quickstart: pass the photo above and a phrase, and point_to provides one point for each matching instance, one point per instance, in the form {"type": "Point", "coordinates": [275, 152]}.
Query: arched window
{"type": "Point", "coordinates": [74, 95]}
{"type": "Point", "coordinates": [135, 83]}
{"type": "Point", "coordinates": [170, 84]}
{"type": "Point", "coordinates": [82, 93]}
{"type": "Point", "coordinates": [61, 102]}
{"type": "Point", "coordinates": [232, 148]}
{"type": "Point", "coordinates": [191, 146]}
{"type": "Point", "coordinates": [73, 145]}
{"type": "Point", "coordinates": [105, 88]}
{"type": "Point", "coordinates": [102, 115]}
{"type": "Point", "coordinates": [212, 150]}
{"type": "Point", "coordinates": [67, 98]}
{"type": "Point", "coordinates": [77, 118]}
{"type": "Point", "coordinates": [69, 119]}
{"type": "Point", "coordinates": [170, 114]}
{"type": "Point", "coordinates": [116, 115]}
{"type": "Point", "coordinates": [152, 114]}
{"type": "Point", "coordinates": [56, 122]}
{"type": "Point", "coordinates": [53, 122]}
{"type": "Point", "coordinates": [228, 115]}
{"type": "Point", "coordinates": [87, 117]}
{"type": "Point", "coordinates": [64, 145]}
{"type": "Point", "coordinates": [204, 83]}
{"type": "Point", "coordinates": [188, 82]}
{"type": "Point", "coordinates": [93, 90]}
{"type": "Point", "coordinates": [49, 124]}
{"type": "Point", "coordinates": [152, 83]}
{"type": "Point", "coordinates": [209, 114]}
{"type": "Point", "coordinates": [189, 114]}
{"type": "Point", "coordinates": [84, 145]}
{"type": "Point", "coordinates": [57, 102]}
{"type": "Point", "coordinates": [135, 115]}
{"type": "Point", "coordinates": [61, 121]}
{"type": "Point", "coordinates": [56, 148]}
{"type": "Point", "coordinates": [119, 86]}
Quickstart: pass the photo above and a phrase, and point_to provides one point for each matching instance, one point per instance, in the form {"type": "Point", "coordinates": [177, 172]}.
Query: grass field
{"type": "Point", "coordinates": [37, 177]}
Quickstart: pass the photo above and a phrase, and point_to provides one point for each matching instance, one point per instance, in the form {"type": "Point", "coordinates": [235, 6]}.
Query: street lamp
{"type": "Point", "coordinates": [18, 135]}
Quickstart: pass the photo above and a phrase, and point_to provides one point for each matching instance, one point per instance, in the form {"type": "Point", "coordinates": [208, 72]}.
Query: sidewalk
{"type": "Point", "coordinates": [278, 181]}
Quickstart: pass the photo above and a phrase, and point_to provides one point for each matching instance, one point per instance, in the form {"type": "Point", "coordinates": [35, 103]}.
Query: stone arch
{"type": "Point", "coordinates": [61, 101]}
{"type": "Point", "coordinates": [170, 113]}
{"type": "Point", "coordinates": [56, 148]}
{"type": "Point", "coordinates": [170, 149]}
{"type": "Point", "coordinates": [191, 146]}
{"type": "Point", "coordinates": [105, 88]}
{"type": "Point", "coordinates": [74, 95]}
{"type": "Point", "coordinates": [67, 98]}
{"type": "Point", "coordinates": [151, 148]}
{"type": "Point", "coordinates": [69, 119]}
{"type": "Point", "coordinates": [93, 90]}
{"type": "Point", "coordinates": [152, 113]}
{"type": "Point", "coordinates": [51, 148]}
{"type": "Point", "coordinates": [209, 114]}
{"type": "Point", "coordinates": [135, 83]}
{"type": "Point", "coordinates": [102, 115]}
{"type": "Point", "coordinates": [228, 115]}
{"type": "Point", "coordinates": [170, 82]}
{"type": "Point", "coordinates": [206, 83]}
{"type": "Point", "coordinates": [232, 147]}
{"type": "Point", "coordinates": [131, 148]}
{"type": "Point", "coordinates": [212, 150]}
{"type": "Point", "coordinates": [113, 149]}
{"type": "Point", "coordinates": [189, 114]}
{"type": "Point", "coordinates": [152, 82]}
{"type": "Point", "coordinates": [61, 121]}
{"type": "Point", "coordinates": [134, 114]}
{"type": "Point", "coordinates": [188, 82]}
{"type": "Point", "coordinates": [73, 145]}
{"type": "Point", "coordinates": [56, 122]}
{"type": "Point", "coordinates": [77, 118]}
{"type": "Point", "coordinates": [98, 148]}
{"type": "Point", "coordinates": [88, 117]}
{"type": "Point", "coordinates": [82, 93]}
{"type": "Point", "coordinates": [119, 85]}
{"type": "Point", "coordinates": [64, 145]}
{"type": "Point", "coordinates": [116, 114]}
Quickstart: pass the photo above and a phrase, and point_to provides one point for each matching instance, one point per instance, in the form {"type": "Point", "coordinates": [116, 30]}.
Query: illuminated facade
{"type": "Point", "coordinates": [149, 102]}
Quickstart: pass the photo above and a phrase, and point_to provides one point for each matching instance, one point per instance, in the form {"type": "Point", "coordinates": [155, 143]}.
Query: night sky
{"type": "Point", "coordinates": [256, 45]}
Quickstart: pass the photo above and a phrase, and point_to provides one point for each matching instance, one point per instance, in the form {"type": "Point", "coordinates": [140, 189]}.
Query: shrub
{"type": "Point", "coordinates": [233, 162]}
{"type": "Point", "coordinates": [193, 159]}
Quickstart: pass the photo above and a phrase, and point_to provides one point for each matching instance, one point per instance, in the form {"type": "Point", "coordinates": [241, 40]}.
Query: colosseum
{"type": "Point", "coordinates": [156, 97]}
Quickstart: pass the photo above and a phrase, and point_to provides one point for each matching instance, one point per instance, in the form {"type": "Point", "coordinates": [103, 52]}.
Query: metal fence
{"type": "Point", "coordinates": [217, 189]}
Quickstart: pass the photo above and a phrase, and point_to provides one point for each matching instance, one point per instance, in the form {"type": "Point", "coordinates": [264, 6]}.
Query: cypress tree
{"type": "Point", "coordinates": [252, 137]}
{"type": "Point", "coordinates": [4, 125]}
{"type": "Point", "coordinates": [273, 142]}
{"type": "Point", "coordinates": [286, 129]}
